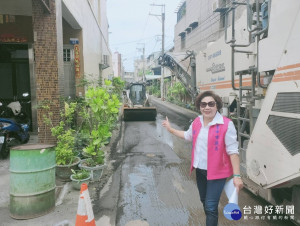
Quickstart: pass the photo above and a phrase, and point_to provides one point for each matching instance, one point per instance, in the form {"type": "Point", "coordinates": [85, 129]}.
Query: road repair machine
{"type": "Point", "coordinates": [255, 68]}
{"type": "Point", "coordinates": [136, 104]}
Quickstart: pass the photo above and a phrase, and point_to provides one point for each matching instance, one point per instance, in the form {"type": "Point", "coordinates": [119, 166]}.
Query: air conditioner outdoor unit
{"type": "Point", "coordinates": [219, 6]}
{"type": "Point", "coordinates": [215, 5]}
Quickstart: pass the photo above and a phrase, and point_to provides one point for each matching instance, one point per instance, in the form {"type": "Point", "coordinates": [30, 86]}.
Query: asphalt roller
{"type": "Point", "coordinates": [136, 105]}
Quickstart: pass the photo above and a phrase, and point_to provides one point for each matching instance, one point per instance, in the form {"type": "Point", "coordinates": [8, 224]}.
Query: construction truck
{"type": "Point", "coordinates": [255, 68]}
{"type": "Point", "coordinates": [136, 105]}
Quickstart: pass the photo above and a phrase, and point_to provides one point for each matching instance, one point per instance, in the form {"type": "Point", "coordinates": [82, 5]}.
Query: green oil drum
{"type": "Point", "coordinates": [32, 180]}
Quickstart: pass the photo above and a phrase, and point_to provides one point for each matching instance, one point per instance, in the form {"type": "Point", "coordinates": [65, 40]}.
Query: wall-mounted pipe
{"type": "Point", "coordinates": [241, 51]}
{"type": "Point", "coordinates": [257, 34]}
{"type": "Point", "coordinates": [232, 49]}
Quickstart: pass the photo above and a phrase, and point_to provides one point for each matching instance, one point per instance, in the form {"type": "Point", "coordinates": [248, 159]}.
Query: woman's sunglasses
{"type": "Point", "coordinates": [210, 104]}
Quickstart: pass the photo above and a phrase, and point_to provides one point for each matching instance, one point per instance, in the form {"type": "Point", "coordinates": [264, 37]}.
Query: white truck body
{"type": "Point", "coordinates": [271, 159]}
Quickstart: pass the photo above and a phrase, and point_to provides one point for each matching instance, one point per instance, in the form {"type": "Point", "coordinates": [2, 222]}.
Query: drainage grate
{"type": "Point", "coordinates": [287, 130]}
{"type": "Point", "coordinates": [287, 102]}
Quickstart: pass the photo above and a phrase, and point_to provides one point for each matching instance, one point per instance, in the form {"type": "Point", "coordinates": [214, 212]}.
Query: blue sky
{"type": "Point", "coordinates": [131, 27]}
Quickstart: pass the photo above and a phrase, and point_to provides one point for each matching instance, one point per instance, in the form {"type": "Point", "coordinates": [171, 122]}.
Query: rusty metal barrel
{"type": "Point", "coordinates": [32, 180]}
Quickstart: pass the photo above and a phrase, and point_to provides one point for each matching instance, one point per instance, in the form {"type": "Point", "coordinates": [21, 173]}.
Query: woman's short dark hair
{"type": "Point", "coordinates": [200, 97]}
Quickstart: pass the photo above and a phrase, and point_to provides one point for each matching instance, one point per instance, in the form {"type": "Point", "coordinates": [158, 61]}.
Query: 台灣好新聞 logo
{"type": "Point", "coordinates": [232, 211]}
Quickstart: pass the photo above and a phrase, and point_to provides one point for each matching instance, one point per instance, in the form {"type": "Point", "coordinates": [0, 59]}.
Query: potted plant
{"type": "Point", "coordinates": [81, 141]}
{"type": "Point", "coordinates": [66, 158]}
{"type": "Point", "coordinates": [102, 108]}
{"type": "Point", "coordinates": [95, 165]}
{"type": "Point", "coordinates": [78, 177]}
{"type": "Point", "coordinates": [95, 161]}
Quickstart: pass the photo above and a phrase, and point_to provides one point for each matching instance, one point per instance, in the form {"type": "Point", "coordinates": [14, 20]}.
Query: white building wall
{"type": "Point", "coordinates": [138, 66]}
{"type": "Point", "coordinates": [209, 27]}
{"type": "Point", "coordinates": [94, 39]}
{"type": "Point", "coordinates": [103, 21]}
{"type": "Point", "coordinates": [115, 64]}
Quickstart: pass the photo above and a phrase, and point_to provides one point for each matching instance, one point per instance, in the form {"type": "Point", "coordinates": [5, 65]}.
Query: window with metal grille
{"type": "Point", "coordinates": [183, 41]}
{"type": "Point", "coordinates": [181, 11]}
{"type": "Point", "coordinates": [67, 55]}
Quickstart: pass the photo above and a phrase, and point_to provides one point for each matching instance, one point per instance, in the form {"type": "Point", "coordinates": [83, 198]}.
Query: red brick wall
{"type": "Point", "coordinates": [46, 66]}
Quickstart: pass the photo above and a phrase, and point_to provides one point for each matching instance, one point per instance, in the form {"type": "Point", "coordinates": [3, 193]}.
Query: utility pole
{"type": "Point", "coordinates": [143, 49]}
{"type": "Point", "coordinates": [144, 77]}
{"type": "Point", "coordinates": [162, 46]}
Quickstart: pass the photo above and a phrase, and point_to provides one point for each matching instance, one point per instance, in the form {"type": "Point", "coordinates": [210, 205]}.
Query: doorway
{"type": "Point", "coordinates": [69, 72]}
{"type": "Point", "coordinates": [15, 75]}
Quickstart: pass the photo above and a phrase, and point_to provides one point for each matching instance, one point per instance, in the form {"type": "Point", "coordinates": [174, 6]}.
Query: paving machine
{"type": "Point", "coordinates": [136, 104]}
{"type": "Point", "coordinates": [255, 68]}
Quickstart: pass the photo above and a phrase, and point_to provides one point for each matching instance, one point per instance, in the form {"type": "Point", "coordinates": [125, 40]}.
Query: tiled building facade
{"type": "Point", "coordinates": [46, 48]}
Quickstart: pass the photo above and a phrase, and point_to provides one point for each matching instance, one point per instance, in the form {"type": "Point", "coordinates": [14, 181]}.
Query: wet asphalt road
{"type": "Point", "coordinates": [152, 186]}
{"type": "Point", "coordinates": [146, 181]}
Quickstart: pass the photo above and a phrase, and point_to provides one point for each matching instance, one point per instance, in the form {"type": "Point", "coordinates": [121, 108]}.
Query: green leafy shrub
{"type": "Point", "coordinates": [80, 174]}
{"type": "Point", "coordinates": [177, 91]}
{"type": "Point", "coordinates": [118, 86]}
{"type": "Point", "coordinates": [100, 114]}
{"type": "Point", "coordinates": [86, 124]}
{"type": "Point", "coordinates": [64, 133]}
{"type": "Point", "coordinates": [155, 89]}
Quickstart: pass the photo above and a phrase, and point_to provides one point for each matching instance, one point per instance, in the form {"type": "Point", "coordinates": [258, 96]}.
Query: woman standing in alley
{"type": "Point", "coordinates": [214, 153]}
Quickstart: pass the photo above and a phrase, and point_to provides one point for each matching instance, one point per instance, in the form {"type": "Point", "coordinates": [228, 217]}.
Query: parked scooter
{"type": "Point", "coordinates": [14, 126]}
{"type": "Point", "coordinates": [4, 149]}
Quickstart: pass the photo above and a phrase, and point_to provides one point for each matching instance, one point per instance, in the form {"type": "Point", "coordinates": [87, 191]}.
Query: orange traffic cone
{"type": "Point", "coordinates": [85, 215]}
